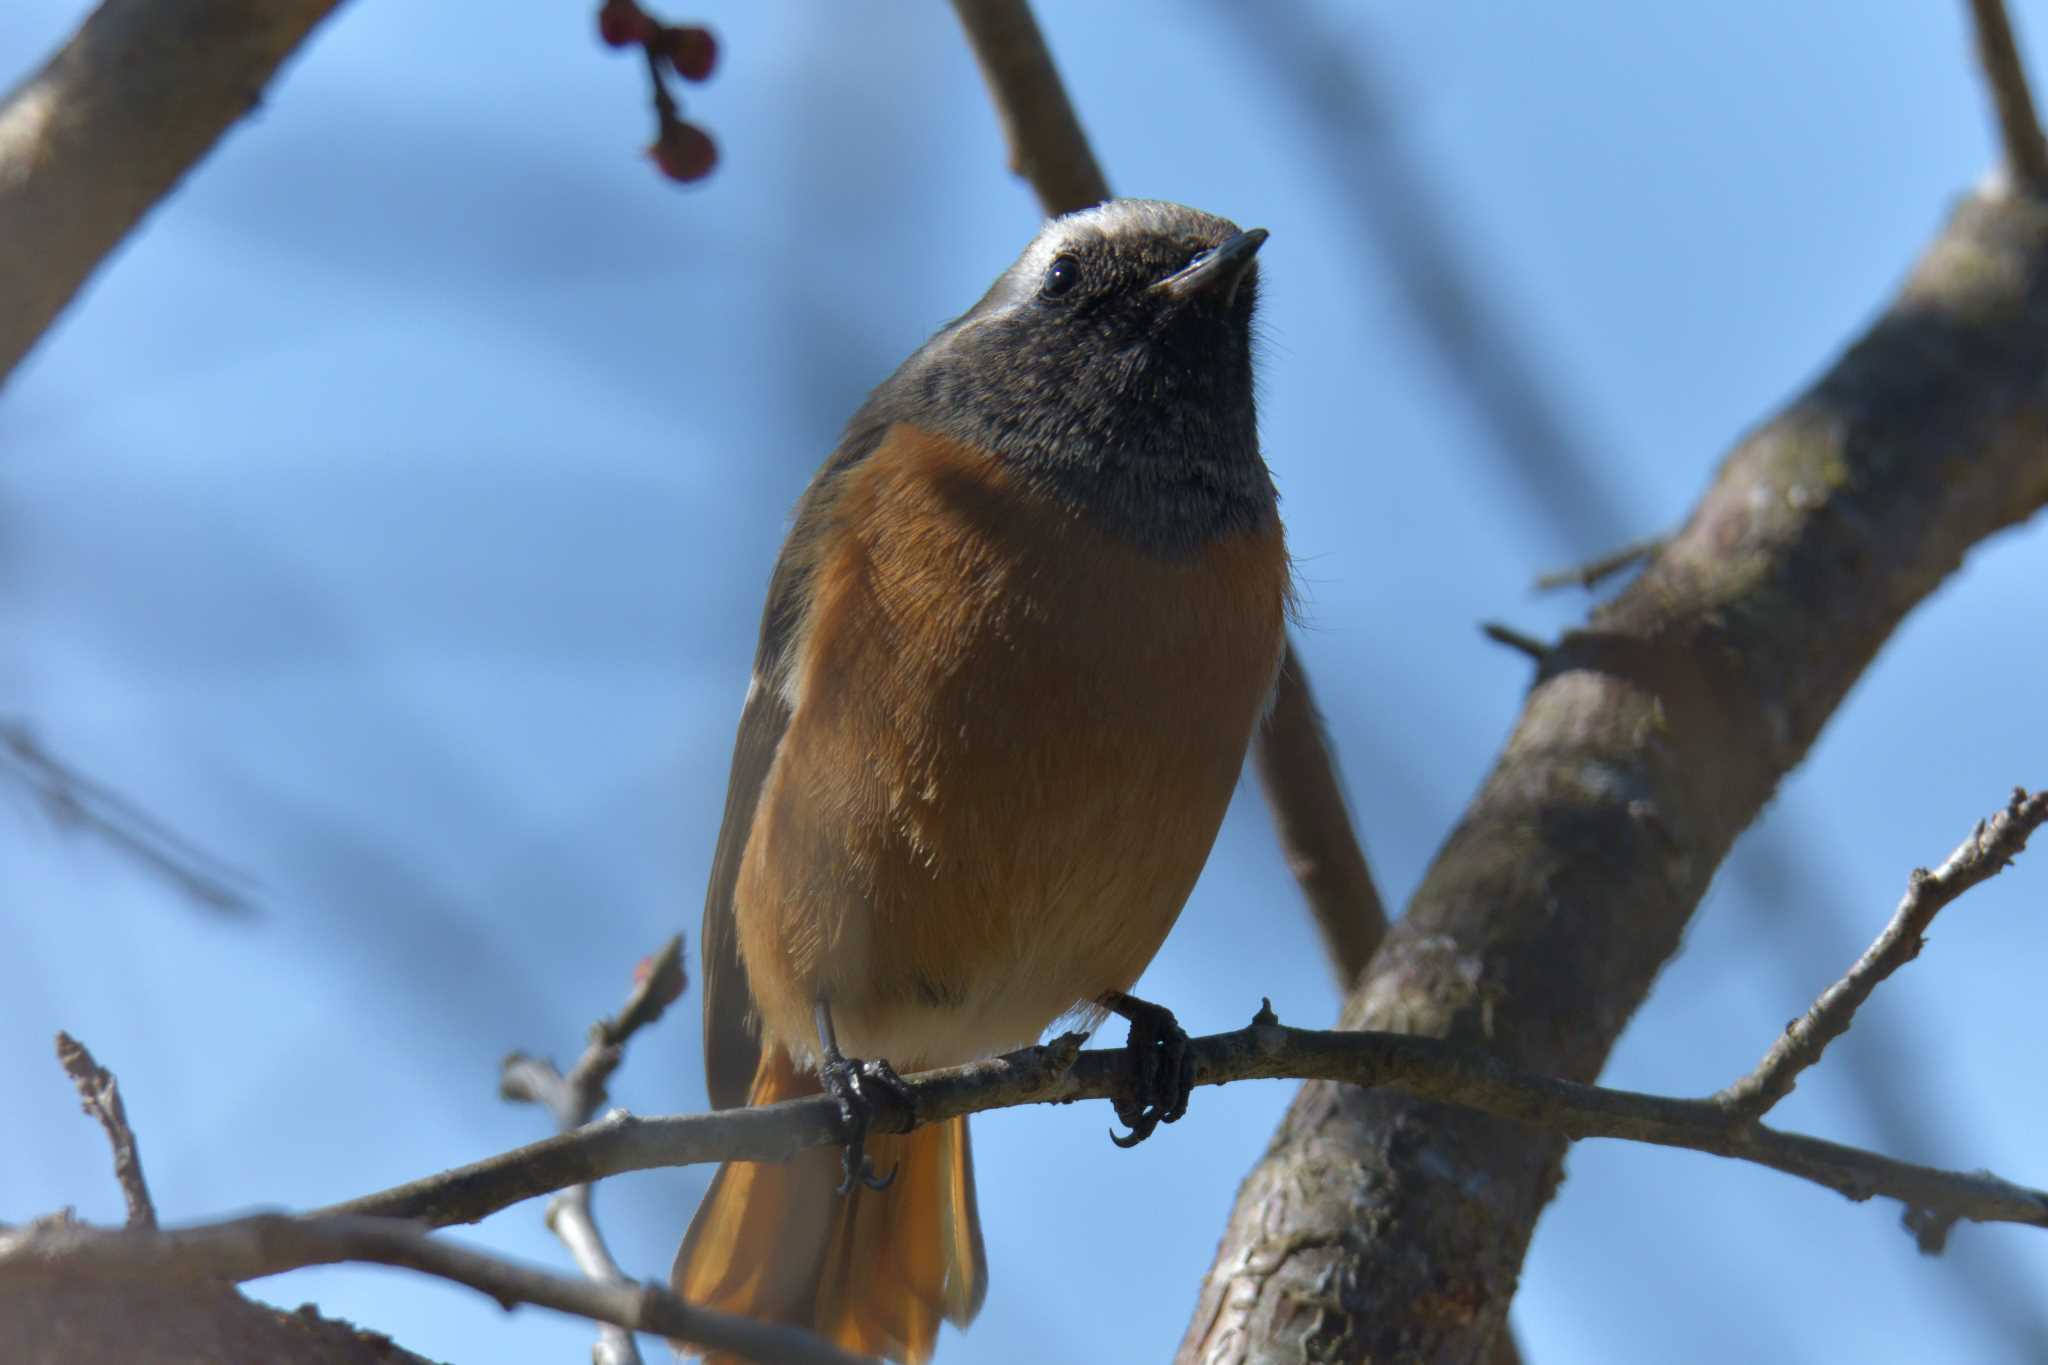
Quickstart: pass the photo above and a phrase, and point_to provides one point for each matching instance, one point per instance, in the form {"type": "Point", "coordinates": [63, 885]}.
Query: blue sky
{"type": "Point", "coordinates": [392, 515]}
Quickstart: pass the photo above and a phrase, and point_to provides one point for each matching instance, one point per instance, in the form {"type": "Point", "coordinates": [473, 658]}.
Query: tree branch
{"type": "Point", "coordinates": [1535, 650]}
{"type": "Point", "coordinates": [1594, 571]}
{"type": "Point", "coordinates": [1047, 146]}
{"type": "Point", "coordinates": [1651, 739]}
{"type": "Point", "coordinates": [571, 1218]}
{"type": "Point", "coordinates": [2026, 154]}
{"type": "Point", "coordinates": [1060, 1073]}
{"type": "Point", "coordinates": [270, 1244]}
{"type": "Point", "coordinates": [1298, 772]}
{"type": "Point", "coordinates": [1291, 752]}
{"type": "Point", "coordinates": [1420, 1067]}
{"type": "Point", "coordinates": [75, 800]}
{"type": "Point", "coordinates": [1981, 857]}
{"type": "Point", "coordinates": [92, 141]}
{"type": "Point", "coordinates": [100, 1095]}
{"type": "Point", "coordinates": [572, 1099]}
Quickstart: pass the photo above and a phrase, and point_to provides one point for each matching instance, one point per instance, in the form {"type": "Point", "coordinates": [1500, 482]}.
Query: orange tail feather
{"type": "Point", "coordinates": [873, 1270]}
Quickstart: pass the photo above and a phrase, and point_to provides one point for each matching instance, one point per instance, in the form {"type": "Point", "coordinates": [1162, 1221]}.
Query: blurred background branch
{"type": "Point", "coordinates": [74, 801]}
{"type": "Point", "coordinates": [92, 141]}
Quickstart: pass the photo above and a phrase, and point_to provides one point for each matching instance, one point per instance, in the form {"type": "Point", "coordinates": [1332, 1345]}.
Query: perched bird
{"type": "Point", "coordinates": [1016, 644]}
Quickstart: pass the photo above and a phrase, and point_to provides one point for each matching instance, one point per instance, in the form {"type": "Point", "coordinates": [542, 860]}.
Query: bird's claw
{"type": "Point", "coordinates": [1162, 1068]}
{"type": "Point", "coordinates": [858, 1087]}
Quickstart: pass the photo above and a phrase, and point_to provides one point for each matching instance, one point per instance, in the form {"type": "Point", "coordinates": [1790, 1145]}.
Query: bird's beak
{"type": "Point", "coordinates": [1220, 271]}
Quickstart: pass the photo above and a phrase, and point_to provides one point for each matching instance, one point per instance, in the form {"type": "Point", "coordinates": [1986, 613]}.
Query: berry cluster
{"type": "Point", "coordinates": [682, 150]}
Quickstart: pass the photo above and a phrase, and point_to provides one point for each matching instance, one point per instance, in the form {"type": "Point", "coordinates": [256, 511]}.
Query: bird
{"type": "Point", "coordinates": [1028, 615]}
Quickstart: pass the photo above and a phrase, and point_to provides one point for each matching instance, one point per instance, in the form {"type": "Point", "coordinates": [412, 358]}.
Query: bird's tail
{"type": "Point", "coordinates": [871, 1270]}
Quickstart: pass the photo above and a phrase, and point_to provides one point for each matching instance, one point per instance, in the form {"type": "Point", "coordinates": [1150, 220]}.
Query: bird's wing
{"type": "Point", "coordinates": [732, 1043]}
{"type": "Point", "coordinates": [732, 1046]}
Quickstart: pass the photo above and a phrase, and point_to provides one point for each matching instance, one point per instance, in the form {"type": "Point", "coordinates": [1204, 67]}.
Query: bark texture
{"type": "Point", "coordinates": [93, 1321]}
{"type": "Point", "coordinates": [1379, 1227]}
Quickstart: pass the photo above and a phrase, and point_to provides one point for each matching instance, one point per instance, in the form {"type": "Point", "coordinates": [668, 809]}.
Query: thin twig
{"type": "Point", "coordinates": [74, 800]}
{"type": "Point", "coordinates": [100, 1094]}
{"type": "Point", "coordinates": [573, 1099]}
{"type": "Point", "coordinates": [1981, 857]}
{"type": "Point", "coordinates": [571, 1218]}
{"type": "Point", "coordinates": [1516, 640]}
{"type": "Point", "coordinates": [1594, 571]}
{"type": "Point", "coordinates": [570, 1215]}
{"type": "Point", "coordinates": [1059, 1073]}
{"type": "Point", "coordinates": [270, 1244]}
{"type": "Point", "coordinates": [2025, 151]}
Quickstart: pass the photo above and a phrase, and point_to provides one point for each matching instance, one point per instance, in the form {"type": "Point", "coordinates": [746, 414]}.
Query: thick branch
{"type": "Point", "coordinates": [92, 141]}
{"type": "Point", "coordinates": [2025, 151]}
{"type": "Point", "coordinates": [1994, 844]}
{"type": "Point", "coordinates": [1651, 739]}
{"type": "Point", "coordinates": [270, 1244]}
{"type": "Point", "coordinates": [1298, 772]}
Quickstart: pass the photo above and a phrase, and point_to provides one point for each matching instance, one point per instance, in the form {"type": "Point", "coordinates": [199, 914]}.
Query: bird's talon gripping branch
{"type": "Point", "coordinates": [860, 1089]}
{"type": "Point", "coordinates": [1162, 1068]}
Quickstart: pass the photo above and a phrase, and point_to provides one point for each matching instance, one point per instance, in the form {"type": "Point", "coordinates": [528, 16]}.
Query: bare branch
{"type": "Point", "coordinates": [1594, 571]}
{"type": "Point", "coordinates": [2025, 151]}
{"type": "Point", "coordinates": [572, 1099]}
{"type": "Point", "coordinates": [92, 141]}
{"type": "Point", "coordinates": [100, 1095]}
{"type": "Point", "coordinates": [74, 800]}
{"type": "Point", "coordinates": [1982, 856]}
{"type": "Point", "coordinates": [270, 1244]}
{"type": "Point", "coordinates": [1520, 641]}
{"type": "Point", "coordinates": [571, 1218]}
{"type": "Point", "coordinates": [1298, 773]}
{"type": "Point", "coordinates": [1047, 146]}
{"type": "Point", "coordinates": [1653, 736]}
{"type": "Point", "coordinates": [1059, 1073]}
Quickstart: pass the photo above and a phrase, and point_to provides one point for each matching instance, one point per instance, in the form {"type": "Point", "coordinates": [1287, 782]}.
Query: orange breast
{"type": "Point", "coordinates": [1013, 740]}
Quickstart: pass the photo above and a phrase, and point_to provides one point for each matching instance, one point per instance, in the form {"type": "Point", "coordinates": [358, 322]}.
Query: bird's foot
{"type": "Point", "coordinates": [861, 1089]}
{"type": "Point", "coordinates": [1162, 1069]}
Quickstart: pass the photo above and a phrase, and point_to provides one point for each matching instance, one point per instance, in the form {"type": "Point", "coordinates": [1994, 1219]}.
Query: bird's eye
{"type": "Point", "coordinates": [1060, 277]}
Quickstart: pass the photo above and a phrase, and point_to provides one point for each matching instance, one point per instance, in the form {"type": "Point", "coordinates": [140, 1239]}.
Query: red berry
{"type": "Point", "coordinates": [622, 23]}
{"type": "Point", "coordinates": [692, 51]}
{"type": "Point", "coordinates": [684, 152]}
